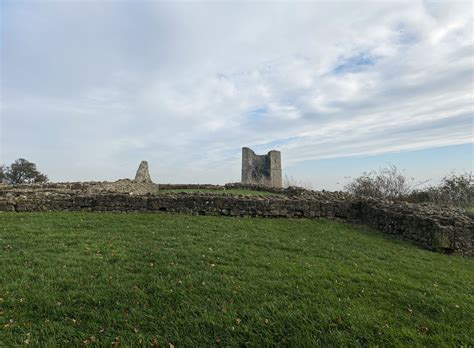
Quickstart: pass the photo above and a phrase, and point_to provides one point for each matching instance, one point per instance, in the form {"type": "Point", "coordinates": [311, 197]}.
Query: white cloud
{"type": "Point", "coordinates": [187, 85]}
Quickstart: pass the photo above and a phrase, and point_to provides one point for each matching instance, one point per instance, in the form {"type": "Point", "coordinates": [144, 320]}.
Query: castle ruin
{"type": "Point", "coordinates": [261, 169]}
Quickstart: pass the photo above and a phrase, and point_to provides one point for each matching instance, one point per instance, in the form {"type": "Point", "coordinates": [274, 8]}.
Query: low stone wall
{"type": "Point", "coordinates": [191, 187]}
{"type": "Point", "coordinates": [432, 227]}
{"type": "Point", "coordinates": [237, 185]}
{"type": "Point", "coordinates": [435, 228]}
{"type": "Point", "coordinates": [89, 187]}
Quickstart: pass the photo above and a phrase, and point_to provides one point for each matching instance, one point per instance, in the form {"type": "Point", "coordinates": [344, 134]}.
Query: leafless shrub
{"type": "Point", "coordinates": [455, 190]}
{"type": "Point", "coordinates": [389, 183]}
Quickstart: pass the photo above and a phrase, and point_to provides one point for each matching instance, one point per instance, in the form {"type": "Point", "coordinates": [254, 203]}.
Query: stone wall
{"type": "Point", "coordinates": [432, 227]}
{"type": "Point", "coordinates": [442, 229]}
{"type": "Point", "coordinates": [229, 186]}
{"type": "Point", "coordinates": [91, 187]}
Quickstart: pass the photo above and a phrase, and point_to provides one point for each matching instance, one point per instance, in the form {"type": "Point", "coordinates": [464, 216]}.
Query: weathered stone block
{"type": "Point", "coordinates": [440, 239]}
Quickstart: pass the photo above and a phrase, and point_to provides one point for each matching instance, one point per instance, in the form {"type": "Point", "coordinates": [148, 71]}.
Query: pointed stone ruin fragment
{"type": "Point", "coordinates": [143, 175]}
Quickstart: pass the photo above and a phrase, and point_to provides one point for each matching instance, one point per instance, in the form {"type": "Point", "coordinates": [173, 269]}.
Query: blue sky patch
{"type": "Point", "coordinates": [354, 63]}
{"type": "Point", "coordinates": [258, 113]}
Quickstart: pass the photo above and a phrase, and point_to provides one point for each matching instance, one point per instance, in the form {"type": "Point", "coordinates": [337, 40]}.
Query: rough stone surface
{"type": "Point", "coordinates": [127, 186]}
{"type": "Point", "coordinates": [436, 228]}
{"type": "Point", "coordinates": [261, 170]}
{"type": "Point", "coordinates": [143, 175]}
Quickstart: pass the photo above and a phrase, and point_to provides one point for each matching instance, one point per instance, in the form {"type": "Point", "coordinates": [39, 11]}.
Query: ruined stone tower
{"type": "Point", "coordinates": [261, 170]}
{"type": "Point", "coordinates": [143, 175]}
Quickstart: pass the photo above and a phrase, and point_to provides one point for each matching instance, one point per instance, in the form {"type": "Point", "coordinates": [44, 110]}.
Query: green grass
{"type": "Point", "coordinates": [220, 192]}
{"type": "Point", "coordinates": [68, 279]}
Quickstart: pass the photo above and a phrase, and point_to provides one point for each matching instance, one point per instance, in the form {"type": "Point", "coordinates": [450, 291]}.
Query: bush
{"type": "Point", "coordinates": [388, 183]}
{"type": "Point", "coordinates": [22, 172]}
{"type": "Point", "coordinates": [3, 177]}
{"type": "Point", "coordinates": [455, 190]}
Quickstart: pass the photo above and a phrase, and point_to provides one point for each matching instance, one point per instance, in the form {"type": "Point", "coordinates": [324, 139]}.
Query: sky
{"type": "Point", "coordinates": [91, 88]}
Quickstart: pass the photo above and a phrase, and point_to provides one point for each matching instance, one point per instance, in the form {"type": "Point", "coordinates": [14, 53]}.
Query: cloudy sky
{"type": "Point", "coordinates": [90, 88]}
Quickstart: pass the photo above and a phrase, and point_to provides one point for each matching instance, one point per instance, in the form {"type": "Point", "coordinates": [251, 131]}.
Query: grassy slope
{"type": "Point", "coordinates": [194, 281]}
{"type": "Point", "coordinates": [216, 191]}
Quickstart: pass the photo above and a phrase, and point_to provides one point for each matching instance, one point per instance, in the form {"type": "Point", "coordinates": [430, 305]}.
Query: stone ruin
{"type": "Point", "coordinates": [143, 175]}
{"type": "Point", "coordinates": [433, 227]}
{"type": "Point", "coordinates": [262, 170]}
{"type": "Point", "coordinates": [437, 228]}
{"type": "Point", "coordinates": [141, 185]}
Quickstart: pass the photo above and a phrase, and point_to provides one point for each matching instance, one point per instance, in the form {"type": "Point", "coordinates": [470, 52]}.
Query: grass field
{"type": "Point", "coordinates": [220, 192]}
{"type": "Point", "coordinates": [149, 279]}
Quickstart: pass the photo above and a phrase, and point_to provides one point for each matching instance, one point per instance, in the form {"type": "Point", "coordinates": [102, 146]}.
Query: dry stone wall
{"type": "Point", "coordinates": [237, 185]}
{"type": "Point", "coordinates": [435, 228]}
